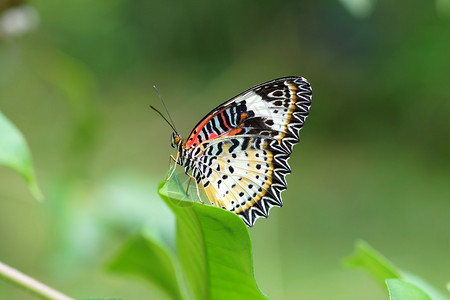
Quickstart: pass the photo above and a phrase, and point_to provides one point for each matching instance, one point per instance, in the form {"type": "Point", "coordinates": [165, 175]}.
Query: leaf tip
{"type": "Point", "coordinates": [354, 259]}
{"type": "Point", "coordinates": [36, 191]}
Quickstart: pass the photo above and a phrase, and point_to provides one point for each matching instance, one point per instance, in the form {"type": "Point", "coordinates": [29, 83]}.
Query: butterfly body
{"type": "Point", "coordinates": [238, 153]}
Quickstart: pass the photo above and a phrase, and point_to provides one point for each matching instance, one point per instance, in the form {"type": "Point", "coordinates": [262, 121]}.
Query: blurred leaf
{"type": "Point", "coordinates": [214, 247]}
{"type": "Point", "coordinates": [359, 8]}
{"type": "Point", "coordinates": [402, 290]}
{"type": "Point", "coordinates": [126, 202]}
{"type": "Point", "coordinates": [15, 155]}
{"type": "Point", "coordinates": [382, 269]}
{"type": "Point", "coordinates": [100, 299]}
{"type": "Point", "coordinates": [443, 7]}
{"type": "Point", "coordinates": [122, 204]}
{"type": "Point", "coordinates": [425, 286]}
{"type": "Point", "coordinates": [77, 86]}
{"type": "Point", "coordinates": [372, 261]}
{"type": "Point", "coordinates": [144, 257]}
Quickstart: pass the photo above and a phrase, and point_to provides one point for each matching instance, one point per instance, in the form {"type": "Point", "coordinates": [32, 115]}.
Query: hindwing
{"type": "Point", "coordinates": [244, 174]}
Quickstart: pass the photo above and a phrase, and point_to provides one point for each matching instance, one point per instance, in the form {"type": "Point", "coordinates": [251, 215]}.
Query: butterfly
{"type": "Point", "coordinates": [238, 153]}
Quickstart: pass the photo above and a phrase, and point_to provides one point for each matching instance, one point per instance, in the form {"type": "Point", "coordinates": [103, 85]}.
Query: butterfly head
{"type": "Point", "coordinates": [176, 140]}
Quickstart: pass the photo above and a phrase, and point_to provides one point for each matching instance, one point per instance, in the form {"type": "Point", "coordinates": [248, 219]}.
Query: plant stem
{"type": "Point", "coordinates": [30, 284]}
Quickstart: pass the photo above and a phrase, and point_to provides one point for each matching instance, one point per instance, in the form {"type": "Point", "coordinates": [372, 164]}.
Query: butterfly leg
{"type": "Point", "coordinates": [196, 187]}
{"type": "Point", "coordinates": [171, 158]}
{"type": "Point", "coordinates": [187, 188]}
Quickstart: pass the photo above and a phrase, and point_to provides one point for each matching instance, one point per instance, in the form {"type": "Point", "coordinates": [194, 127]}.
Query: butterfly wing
{"type": "Point", "coordinates": [243, 146]}
{"type": "Point", "coordinates": [244, 174]}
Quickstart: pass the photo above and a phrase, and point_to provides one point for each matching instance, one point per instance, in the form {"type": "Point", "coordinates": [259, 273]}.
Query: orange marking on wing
{"type": "Point", "coordinates": [243, 117]}
{"type": "Point", "coordinates": [224, 121]}
{"type": "Point", "coordinates": [239, 129]}
{"type": "Point", "coordinates": [193, 138]}
{"type": "Point", "coordinates": [234, 132]}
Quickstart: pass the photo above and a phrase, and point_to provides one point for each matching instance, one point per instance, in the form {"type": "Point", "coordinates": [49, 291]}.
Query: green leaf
{"type": "Point", "coordinates": [214, 247]}
{"type": "Point", "coordinates": [15, 155]}
{"type": "Point", "coordinates": [144, 257]}
{"type": "Point", "coordinates": [382, 269]}
{"type": "Point", "coordinates": [401, 290]}
{"type": "Point", "coordinates": [96, 298]}
{"type": "Point", "coordinates": [425, 286]}
{"type": "Point", "coordinates": [372, 261]}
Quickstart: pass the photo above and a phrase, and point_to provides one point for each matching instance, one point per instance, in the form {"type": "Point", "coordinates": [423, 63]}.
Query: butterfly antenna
{"type": "Point", "coordinates": [171, 125]}
{"type": "Point", "coordinates": [164, 118]}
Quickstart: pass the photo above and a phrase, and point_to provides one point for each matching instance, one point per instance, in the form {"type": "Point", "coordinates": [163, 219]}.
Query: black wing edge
{"type": "Point", "coordinates": [282, 151]}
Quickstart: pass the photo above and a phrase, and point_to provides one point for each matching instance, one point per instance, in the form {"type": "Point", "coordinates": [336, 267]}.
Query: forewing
{"type": "Point", "coordinates": [277, 109]}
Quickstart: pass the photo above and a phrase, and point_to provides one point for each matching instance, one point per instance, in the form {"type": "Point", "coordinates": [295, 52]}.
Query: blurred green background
{"type": "Point", "coordinates": [76, 78]}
